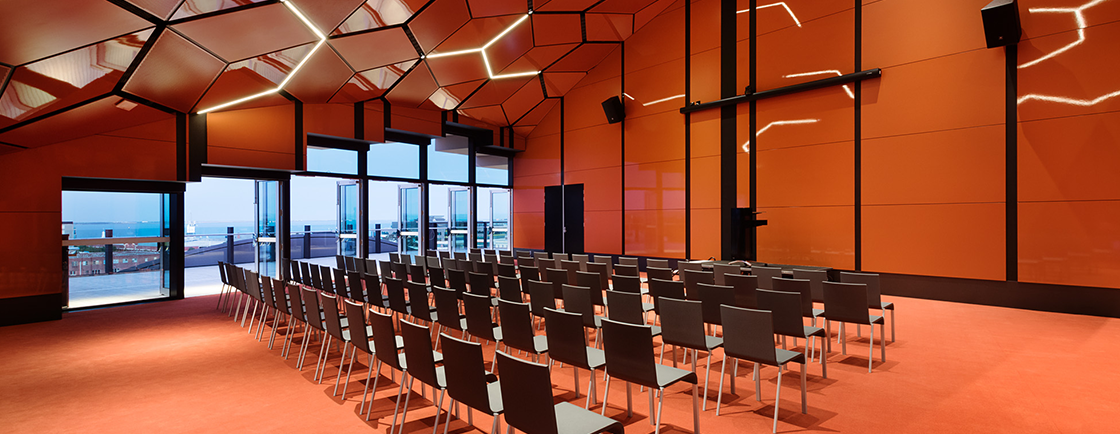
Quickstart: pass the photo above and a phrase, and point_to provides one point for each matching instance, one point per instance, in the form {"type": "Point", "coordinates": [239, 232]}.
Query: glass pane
{"type": "Point", "coordinates": [348, 218]}
{"type": "Point", "coordinates": [384, 214]}
{"type": "Point", "coordinates": [314, 218]}
{"type": "Point", "coordinates": [395, 160]}
{"type": "Point", "coordinates": [329, 160]}
{"type": "Point", "coordinates": [439, 218]}
{"type": "Point", "coordinates": [409, 220]}
{"type": "Point", "coordinates": [460, 220]}
{"type": "Point", "coordinates": [447, 159]}
{"type": "Point", "coordinates": [220, 223]}
{"type": "Point", "coordinates": [268, 207]}
{"type": "Point", "coordinates": [499, 215]}
{"type": "Point", "coordinates": [491, 169]}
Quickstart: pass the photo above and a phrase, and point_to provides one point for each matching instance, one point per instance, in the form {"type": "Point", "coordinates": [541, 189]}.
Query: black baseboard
{"type": "Point", "coordinates": [1084, 300]}
{"type": "Point", "coordinates": [32, 308]}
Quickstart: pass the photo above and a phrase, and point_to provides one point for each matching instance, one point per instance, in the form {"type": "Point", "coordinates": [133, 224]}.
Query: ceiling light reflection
{"type": "Point", "coordinates": [747, 145]}
{"type": "Point", "coordinates": [669, 98]}
{"type": "Point", "coordinates": [1081, 25]}
{"type": "Point", "coordinates": [830, 71]}
{"type": "Point", "coordinates": [782, 4]}
{"type": "Point", "coordinates": [482, 51]}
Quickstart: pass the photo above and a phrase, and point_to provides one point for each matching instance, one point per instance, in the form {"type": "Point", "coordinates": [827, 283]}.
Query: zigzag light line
{"type": "Point", "coordinates": [1081, 25]}
{"type": "Point", "coordinates": [315, 30]}
{"type": "Point", "coordinates": [830, 71]}
{"type": "Point", "coordinates": [1070, 101]}
{"type": "Point", "coordinates": [782, 4]}
{"type": "Point", "coordinates": [747, 146]}
{"type": "Point", "coordinates": [482, 51]}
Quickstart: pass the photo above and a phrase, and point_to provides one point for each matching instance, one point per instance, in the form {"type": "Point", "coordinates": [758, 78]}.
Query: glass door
{"type": "Point", "coordinates": [408, 203]}
{"type": "Point", "coordinates": [348, 218]}
{"type": "Point", "coordinates": [265, 237]}
{"type": "Point", "coordinates": [459, 216]}
{"type": "Point", "coordinates": [499, 219]}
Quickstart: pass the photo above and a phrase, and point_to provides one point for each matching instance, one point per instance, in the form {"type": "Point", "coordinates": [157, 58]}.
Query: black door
{"type": "Point", "coordinates": [563, 218]}
{"type": "Point", "coordinates": [573, 218]}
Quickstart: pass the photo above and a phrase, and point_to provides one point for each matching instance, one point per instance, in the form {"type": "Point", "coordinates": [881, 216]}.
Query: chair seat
{"type": "Point", "coordinates": [494, 392]}
{"type": "Point", "coordinates": [667, 375]}
{"type": "Point", "coordinates": [596, 358]}
{"type": "Point", "coordinates": [874, 319]}
{"type": "Point", "coordinates": [647, 307]}
{"type": "Point", "coordinates": [540, 344]}
{"type": "Point", "coordinates": [786, 356]}
{"type": "Point", "coordinates": [887, 305]}
{"type": "Point", "coordinates": [713, 342]}
{"type": "Point", "coordinates": [818, 312]}
{"type": "Point", "coordinates": [813, 331]}
{"type": "Point", "coordinates": [575, 420]}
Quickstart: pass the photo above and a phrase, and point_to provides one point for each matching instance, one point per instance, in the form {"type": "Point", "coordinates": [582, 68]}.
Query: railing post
{"type": "Point", "coordinates": [229, 245]}
{"type": "Point", "coordinates": [377, 237]}
{"type": "Point", "coordinates": [306, 241]}
{"type": "Point", "coordinates": [108, 253]}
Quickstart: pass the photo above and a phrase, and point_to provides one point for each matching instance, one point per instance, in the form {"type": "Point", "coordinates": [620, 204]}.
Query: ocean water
{"type": "Point", "coordinates": [86, 230]}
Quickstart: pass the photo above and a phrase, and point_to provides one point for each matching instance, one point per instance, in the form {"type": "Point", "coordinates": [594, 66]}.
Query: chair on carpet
{"type": "Point", "coordinates": [567, 343]}
{"type": "Point", "coordinates": [847, 303]}
{"type": "Point", "coordinates": [682, 325]}
{"type": "Point", "coordinates": [528, 403]}
{"type": "Point", "coordinates": [751, 337]}
{"type": "Point", "coordinates": [420, 365]}
{"type": "Point", "coordinates": [766, 275]}
{"type": "Point", "coordinates": [517, 329]}
{"type": "Point", "coordinates": [785, 310]}
{"type": "Point", "coordinates": [874, 296]}
{"type": "Point", "coordinates": [468, 381]}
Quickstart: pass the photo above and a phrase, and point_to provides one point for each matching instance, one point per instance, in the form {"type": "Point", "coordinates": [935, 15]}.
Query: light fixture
{"type": "Point", "coordinates": [322, 40]}
{"type": "Point", "coordinates": [482, 51]}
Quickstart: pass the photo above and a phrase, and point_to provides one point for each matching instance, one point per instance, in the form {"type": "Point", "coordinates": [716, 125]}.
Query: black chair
{"type": "Point", "coordinates": [340, 286]}
{"type": "Point", "coordinates": [394, 289]}
{"type": "Point", "coordinates": [313, 271]}
{"type": "Point", "coordinates": [766, 275]}
{"type": "Point", "coordinates": [509, 288]}
{"type": "Point", "coordinates": [625, 260]}
{"type": "Point", "coordinates": [874, 296]}
{"type": "Point", "coordinates": [340, 262]}
{"type": "Point", "coordinates": [628, 308]}
{"type": "Point", "coordinates": [362, 339]}
{"type": "Point", "coordinates": [629, 354]}
{"type": "Point", "coordinates": [371, 266]}
{"type": "Point", "coordinates": [721, 270]}
{"type": "Point", "coordinates": [626, 269]}
{"type": "Point", "coordinates": [421, 365]}
{"type": "Point", "coordinates": [386, 268]}
{"type": "Point", "coordinates": [659, 289]}
{"type": "Point", "coordinates": [354, 283]}
{"type": "Point", "coordinates": [567, 343]}
{"type": "Point", "coordinates": [659, 273]}
{"type": "Point", "coordinates": [540, 298]}
{"type": "Point", "coordinates": [314, 318]}
{"type": "Point", "coordinates": [577, 299]}
{"type": "Point", "coordinates": [602, 271]}
{"type": "Point", "coordinates": [325, 279]}
{"type": "Point", "coordinates": [751, 337]}
{"type": "Point", "coordinates": [572, 268]}
{"type": "Point", "coordinates": [418, 303]}
{"type": "Point", "coordinates": [682, 325]}
{"type": "Point", "coordinates": [507, 270]}
{"type": "Point", "coordinates": [693, 278]}
{"type": "Point", "coordinates": [480, 322]}
{"type": "Point", "coordinates": [436, 277]}
{"type": "Point", "coordinates": [591, 281]}
{"type": "Point", "coordinates": [745, 289]}
{"type": "Point", "coordinates": [333, 322]}
{"type": "Point", "coordinates": [528, 403]}
{"type": "Point", "coordinates": [528, 273]}
{"type": "Point", "coordinates": [657, 263]}
{"type": "Point", "coordinates": [803, 288]}
{"type": "Point", "coordinates": [457, 280]}
{"type": "Point", "coordinates": [374, 295]}
{"type": "Point", "coordinates": [816, 280]}
{"type": "Point", "coordinates": [468, 381]}
{"type": "Point", "coordinates": [417, 273]}
{"type": "Point", "coordinates": [481, 284]}
{"type": "Point", "coordinates": [688, 265]}
{"type": "Point", "coordinates": [296, 310]}
{"type": "Point", "coordinates": [582, 260]}
{"type": "Point", "coordinates": [847, 303]}
{"type": "Point", "coordinates": [785, 310]}
{"type": "Point", "coordinates": [447, 310]}
{"type": "Point", "coordinates": [558, 278]}
{"type": "Point", "coordinates": [517, 329]}
{"type": "Point", "coordinates": [384, 337]}
{"type": "Point", "coordinates": [711, 298]}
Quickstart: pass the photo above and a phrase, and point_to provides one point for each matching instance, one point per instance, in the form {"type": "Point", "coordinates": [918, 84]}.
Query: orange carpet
{"type": "Point", "coordinates": [184, 367]}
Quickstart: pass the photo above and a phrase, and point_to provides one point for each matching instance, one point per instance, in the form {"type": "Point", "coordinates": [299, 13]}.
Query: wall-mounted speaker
{"type": "Point", "coordinates": [614, 110]}
{"type": "Point", "coordinates": [1001, 23]}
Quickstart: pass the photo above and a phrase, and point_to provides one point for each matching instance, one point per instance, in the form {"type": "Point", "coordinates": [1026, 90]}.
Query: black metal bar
{"type": "Point", "coordinates": [801, 87]}
{"type": "Point", "coordinates": [1012, 162]}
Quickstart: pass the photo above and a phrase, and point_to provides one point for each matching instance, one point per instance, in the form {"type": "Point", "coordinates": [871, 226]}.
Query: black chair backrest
{"type": "Point", "coordinates": [354, 282]}
{"type": "Point", "coordinates": [509, 288]}
{"type": "Point", "coordinates": [691, 278]}
{"type": "Point", "coordinates": [629, 351]}
{"type": "Point", "coordinates": [436, 277]}
{"type": "Point", "coordinates": [477, 310]}
{"type": "Point", "coordinates": [340, 282]}
{"type": "Point", "coordinates": [506, 260]}
{"type": "Point", "coordinates": [384, 339]}
{"type": "Point", "coordinates": [416, 273]}
{"type": "Point", "coordinates": [295, 301]}
{"type": "Point", "coordinates": [386, 268]}
{"type": "Point", "coordinates": [481, 284]}
{"type": "Point", "coordinates": [567, 342]}
{"type": "Point", "coordinates": [445, 255]}
{"type": "Point", "coordinates": [394, 288]}
{"type": "Point", "coordinates": [631, 284]}
{"type": "Point", "coordinates": [659, 289]}
{"type": "Point", "coordinates": [279, 297]}
{"type": "Point", "coordinates": [457, 280]}
{"type": "Point", "coordinates": [578, 299]}
{"type": "Point", "coordinates": [626, 270]}
{"type": "Point", "coordinates": [766, 275]}
{"type": "Point", "coordinates": [348, 264]}
{"type": "Point", "coordinates": [395, 258]}
{"type": "Point", "coordinates": [572, 267]}
{"type": "Point", "coordinates": [325, 276]}
{"type": "Point", "coordinates": [400, 270]}
{"type": "Point", "coordinates": [659, 273]}
{"type": "Point", "coordinates": [723, 269]}
{"type": "Point", "coordinates": [528, 273]}
{"type": "Point", "coordinates": [785, 311]}
{"type": "Point", "coordinates": [582, 260]}
{"type": "Point", "coordinates": [466, 373]}
{"type": "Point", "coordinates": [331, 315]}
{"type": "Point", "coordinates": [252, 285]}
{"type": "Point", "coordinates": [798, 286]}
{"type": "Point", "coordinates": [418, 353]}
{"type": "Point", "coordinates": [461, 256]}
{"type": "Point", "coordinates": [712, 297]}
{"type": "Point", "coordinates": [603, 272]}
{"type": "Point", "coordinates": [656, 263]}
{"type": "Point", "coordinates": [745, 287]}
{"type": "Point", "coordinates": [447, 308]}
{"type": "Point", "coordinates": [431, 260]}
{"type": "Point", "coordinates": [527, 395]}
{"type": "Point", "coordinates": [749, 335]}
{"type": "Point", "coordinates": [682, 323]}
{"type": "Point", "coordinates": [357, 328]}
{"type": "Point", "coordinates": [359, 265]}
{"type": "Point", "coordinates": [524, 254]}
{"type": "Point", "coordinates": [559, 278]}
{"type": "Point", "coordinates": [266, 293]}
{"type": "Point", "coordinates": [371, 266]}
{"type": "Point", "coordinates": [560, 256]}
{"type": "Point", "coordinates": [686, 265]}
{"type": "Point", "coordinates": [591, 280]}
{"type": "Point", "coordinates": [305, 274]}
{"type": "Point", "coordinates": [293, 268]}
{"type": "Point", "coordinates": [313, 270]}
{"type": "Point", "coordinates": [517, 325]}
{"type": "Point", "coordinates": [339, 262]}
{"type": "Point", "coordinates": [816, 280]}
{"type": "Point", "coordinates": [507, 270]}
{"type": "Point", "coordinates": [373, 291]}
{"type": "Point", "coordinates": [418, 301]}
{"type": "Point", "coordinates": [625, 260]}
{"type": "Point", "coordinates": [874, 297]}
{"type": "Point", "coordinates": [540, 297]}
{"type": "Point", "coordinates": [311, 306]}
{"type": "Point", "coordinates": [846, 302]}
{"type": "Point", "coordinates": [625, 307]}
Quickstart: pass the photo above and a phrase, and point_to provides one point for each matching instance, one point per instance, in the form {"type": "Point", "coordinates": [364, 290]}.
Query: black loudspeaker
{"type": "Point", "coordinates": [613, 108]}
{"type": "Point", "coordinates": [1001, 23]}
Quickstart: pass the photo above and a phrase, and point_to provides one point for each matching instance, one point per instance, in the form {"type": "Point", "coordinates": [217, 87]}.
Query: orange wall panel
{"type": "Point", "coordinates": [257, 137]}
{"type": "Point", "coordinates": [819, 236]}
{"type": "Point", "coordinates": [1057, 79]}
{"type": "Point", "coordinates": [953, 166]}
{"type": "Point", "coordinates": [656, 89]}
{"type": "Point", "coordinates": [657, 137]}
{"type": "Point", "coordinates": [903, 31]}
{"type": "Point", "coordinates": [806, 118]}
{"type": "Point", "coordinates": [1070, 243]}
{"type": "Point", "coordinates": [705, 74]}
{"type": "Point", "coordinates": [706, 233]}
{"type": "Point", "coordinates": [807, 175]}
{"type": "Point", "coordinates": [583, 105]}
{"type": "Point", "coordinates": [528, 232]}
{"type": "Point", "coordinates": [329, 119]}
{"type": "Point", "coordinates": [653, 186]}
{"type": "Point", "coordinates": [593, 147]}
{"type": "Point", "coordinates": [601, 232]}
{"type": "Point", "coordinates": [824, 47]}
{"type": "Point", "coordinates": [542, 155]}
{"type": "Point", "coordinates": [429, 122]}
{"type": "Point", "coordinates": [953, 240]}
{"type": "Point", "coordinates": [659, 41]}
{"type": "Point", "coordinates": [34, 268]}
{"type": "Point", "coordinates": [528, 191]}
{"type": "Point", "coordinates": [658, 233]}
{"type": "Point", "coordinates": [601, 190]}
{"type": "Point", "coordinates": [704, 132]}
{"type": "Point", "coordinates": [374, 122]}
{"type": "Point", "coordinates": [705, 182]}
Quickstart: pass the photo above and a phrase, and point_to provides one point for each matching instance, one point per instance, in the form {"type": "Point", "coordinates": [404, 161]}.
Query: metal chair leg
{"type": "Point", "coordinates": [777, 397]}
{"type": "Point", "coordinates": [719, 395]}
{"type": "Point", "coordinates": [348, 370]}
{"type": "Point", "coordinates": [695, 414]}
{"type": "Point", "coordinates": [892, 325]}
{"type": "Point", "coordinates": [883, 340]}
{"type": "Point", "coordinates": [606, 393]}
{"type": "Point", "coordinates": [707, 372]}
{"type": "Point", "coordinates": [804, 405]}
{"type": "Point", "coordinates": [871, 349]}
{"type": "Point", "coordinates": [439, 407]}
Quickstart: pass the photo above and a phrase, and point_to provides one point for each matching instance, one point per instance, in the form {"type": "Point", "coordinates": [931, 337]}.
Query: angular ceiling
{"type": "Point", "coordinates": [494, 60]}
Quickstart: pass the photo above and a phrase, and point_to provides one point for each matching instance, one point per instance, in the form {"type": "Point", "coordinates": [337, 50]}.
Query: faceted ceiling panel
{"type": "Point", "coordinates": [494, 60]}
{"type": "Point", "coordinates": [106, 114]}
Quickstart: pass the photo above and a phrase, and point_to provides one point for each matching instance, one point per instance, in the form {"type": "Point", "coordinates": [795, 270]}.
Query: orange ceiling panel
{"type": "Point", "coordinates": [438, 21]}
{"type": "Point", "coordinates": [491, 114]}
{"type": "Point", "coordinates": [647, 14]}
{"type": "Point", "coordinates": [159, 8]}
{"type": "Point", "coordinates": [458, 69]}
{"type": "Point", "coordinates": [564, 5]}
{"type": "Point", "coordinates": [620, 6]}
{"type": "Point", "coordinates": [583, 58]}
{"type": "Point", "coordinates": [191, 8]}
{"type": "Point", "coordinates": [559, 83]}
{"type": "Point", "coordinates": [510, 47]}
{"type": "Point", "coordinates": [375, 14]}
{"type": "Point", "coordinates": [33, 29]}
{"type": "Point", "coordinates": [497, 91]}
{"type": "Point", "coordinates": [327, 15]}
{"type": "Point", "coordinates": [393, 46]}
{"type": "Point", "coordinates": [235, 84]}
{"type": "Point", "coordinates": [248, 33]}
{"type": "Point", "coordinates": [319, 79]}
{"type": "Point", "coordinates": [490, 8]}
{"type": "Point", "coordinates": [373, 83]}
{"type": "Point", "coordinates": [522, 101]}
{"type": "Point", "coordinates": [523, 131]}
{"type": "Point", "coordinates": [609, 27]}
{"type": "Point", "coordinates": [3, 76]}
{"type": "Point", "coordinates": [551, 29]}
{"type": "Point", "coordinates": [93, 118]}
{"type": "Point", "coordinates": [538, 113]}
{"type": "Point", "coordinates": [415, 88]}
{"type": "Point", "coordinates": [539, 58]}
{"type": "Point", "coordinates": [449, 97]}
{"type": "Point", "coordinates": [174, 73]}
{"type": "Point", "coordinates": [67, 79]}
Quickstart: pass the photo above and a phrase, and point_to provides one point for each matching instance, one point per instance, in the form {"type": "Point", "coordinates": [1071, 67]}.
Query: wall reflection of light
{"type": "Point", "coordinates": [830, 71]}
{"type": "Point", "coordinates": [1081, 25]}
{"type": "Point", "coordinates": [782, 4]}
{"type": "Point", "coordinates": [747, 145]}
{"type": "Point", "coordinates": [659, 101]}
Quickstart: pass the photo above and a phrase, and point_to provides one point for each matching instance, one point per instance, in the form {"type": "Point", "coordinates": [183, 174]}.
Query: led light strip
{"type": "Point", "coordinates": [482, 51]}
{"type": "Point", "coordinates": [747, 146]}
{"type": "Point", "coordinates": [830, 71]}
{"type": "Point", "coordinates": [782, 4]}
{"type": "Point", "coordinates": [315, 30]}
{"type": "Point", "coordinates": [1081, 25]}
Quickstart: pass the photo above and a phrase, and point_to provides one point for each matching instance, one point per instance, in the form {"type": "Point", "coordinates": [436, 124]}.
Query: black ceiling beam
{"type": "Point", "coordinates": [801, 87]}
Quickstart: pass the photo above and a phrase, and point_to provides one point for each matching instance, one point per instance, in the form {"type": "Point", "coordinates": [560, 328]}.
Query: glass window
{"type": "Point", "coordinates": [395, 160]}
{"type": "Point", "coordinates": [491, 169]}
{"type": "Point", "coordinates": [447, 159]}
{"type": "Point", "coordinates": [330, 160]}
